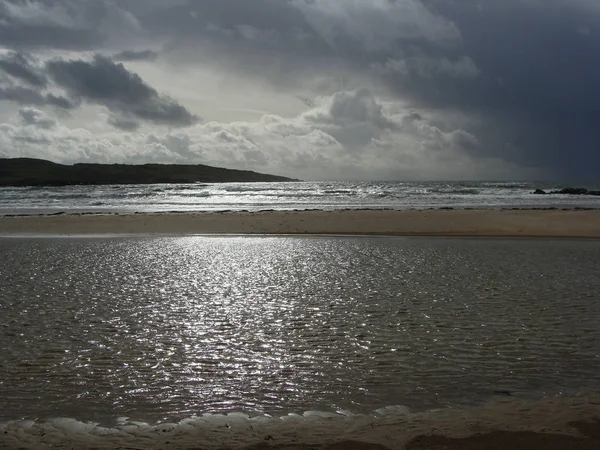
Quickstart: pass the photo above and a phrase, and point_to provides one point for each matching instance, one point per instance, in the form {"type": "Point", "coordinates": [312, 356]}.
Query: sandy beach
{"type": "Point", "coordinates": [477, 223]}
{"type": "Point", "coordinates": [553, 424]}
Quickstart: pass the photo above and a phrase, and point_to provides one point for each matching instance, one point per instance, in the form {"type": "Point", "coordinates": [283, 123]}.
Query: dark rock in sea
{"type": "Point", "coordinates": [569, 191]}
{"type": "Point", "coordinates": [575, 191]}
{"type": "Point", "coordinates": [38, 172]}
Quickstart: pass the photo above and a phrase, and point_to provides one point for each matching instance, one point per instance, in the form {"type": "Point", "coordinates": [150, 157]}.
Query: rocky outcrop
{"type": "Point", "coordinates": [568, 191]}
{"type": "Point", "coordinates": [39, 172]}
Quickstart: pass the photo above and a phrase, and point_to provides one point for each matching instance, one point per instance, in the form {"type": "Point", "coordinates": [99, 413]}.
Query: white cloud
{"type": "Point", "coordinates": [67, 23]}
{"type": "Point", "coordinates": [35, 117]}
{"type": "Point", "coordinates": [350, 135]}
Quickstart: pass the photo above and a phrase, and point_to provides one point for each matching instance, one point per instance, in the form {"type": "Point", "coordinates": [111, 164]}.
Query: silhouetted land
{"type": "Point", "coordinates": [39, 172]}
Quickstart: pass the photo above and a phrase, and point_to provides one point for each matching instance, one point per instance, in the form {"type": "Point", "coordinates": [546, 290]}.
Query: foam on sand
{"type": "Point", "coordinates": [563, 422]}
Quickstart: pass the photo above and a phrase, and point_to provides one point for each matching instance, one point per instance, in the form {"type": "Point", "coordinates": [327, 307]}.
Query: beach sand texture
{"type": "Point", "coordinates": [553, 424]}
{"type": "Point", "coordinates": [484, 223]}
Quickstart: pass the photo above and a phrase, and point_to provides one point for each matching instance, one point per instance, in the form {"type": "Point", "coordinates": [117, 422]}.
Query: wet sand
{"type": "Point", "coordinates": [484, 223]}
{"type": "Point", "coordinates": [552, 424]}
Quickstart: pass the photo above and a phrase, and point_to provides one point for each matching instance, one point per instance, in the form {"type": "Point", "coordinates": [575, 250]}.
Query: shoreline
{"type": "Point", "coordinates": [531, 223]}
{"type": "Point", "coordinates": [552, 423]}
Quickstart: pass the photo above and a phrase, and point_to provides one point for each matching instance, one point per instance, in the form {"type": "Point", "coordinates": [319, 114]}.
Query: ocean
{"type": "Point", "coordinates": [287, 196]}
{"type": "Point", "coordinates": [211, 338]}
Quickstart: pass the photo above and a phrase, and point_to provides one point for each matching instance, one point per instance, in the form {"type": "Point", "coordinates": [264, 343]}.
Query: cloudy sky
{"type": "Point", "coordinates": [313, 89]}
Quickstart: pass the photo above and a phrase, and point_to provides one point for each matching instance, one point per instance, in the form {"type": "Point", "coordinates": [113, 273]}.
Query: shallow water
{"type": "Point", "coordinates": [163, 328]}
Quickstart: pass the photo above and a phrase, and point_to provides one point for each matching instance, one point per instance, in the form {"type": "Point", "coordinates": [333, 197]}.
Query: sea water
{"type": "Point", "coordinates": [97, 332]}
{"type": "Point", "coordinates": [157, 328]}
{"type": "Point", "coordinates": [287, 196]}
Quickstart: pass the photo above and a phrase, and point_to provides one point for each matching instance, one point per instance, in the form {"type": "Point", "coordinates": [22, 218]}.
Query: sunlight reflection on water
{"type": "Point", "coordinates": [171, 326]}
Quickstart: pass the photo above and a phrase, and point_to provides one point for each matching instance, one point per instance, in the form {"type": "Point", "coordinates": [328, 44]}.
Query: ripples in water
{"type": "Point", "coordinates": [159, 328]}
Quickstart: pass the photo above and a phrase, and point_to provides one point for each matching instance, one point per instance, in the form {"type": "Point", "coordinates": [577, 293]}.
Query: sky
{"type": "Point", "coordinates": [311, 89]}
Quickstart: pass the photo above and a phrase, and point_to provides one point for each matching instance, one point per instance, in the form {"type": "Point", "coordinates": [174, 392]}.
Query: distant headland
{"type": "Point", "coordinates": [39, 172]}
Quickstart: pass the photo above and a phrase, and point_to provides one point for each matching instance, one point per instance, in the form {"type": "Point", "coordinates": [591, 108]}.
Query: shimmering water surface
{"type": "Point", "coordinates": [287, 196]}
{"type": "Point", "coordinates": [161, 328]}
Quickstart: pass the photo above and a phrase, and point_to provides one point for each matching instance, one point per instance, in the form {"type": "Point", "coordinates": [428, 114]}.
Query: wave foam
{"type": "Point", "coordinates": [392, 427]}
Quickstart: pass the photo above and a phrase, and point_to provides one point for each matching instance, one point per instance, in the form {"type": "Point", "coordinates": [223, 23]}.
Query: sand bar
{"type": "Point", "coordinates": [479, 223]}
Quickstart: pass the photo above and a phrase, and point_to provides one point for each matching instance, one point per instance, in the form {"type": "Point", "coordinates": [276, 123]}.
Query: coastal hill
{"type": "Point", "coordinates": [39, 172]}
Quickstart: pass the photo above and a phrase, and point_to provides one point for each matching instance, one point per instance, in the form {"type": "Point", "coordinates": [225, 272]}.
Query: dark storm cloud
{"type": "Point", "coordinates": [19, 66]}
{"type": "Point", "coordinates": [133, 55]}
{"type": "Point", "coordinates": [51, 23]}
{"type": "Point", "coordinates": [253, 36]}
{"type": "Point", "coordinates": [21, 95]}
{"type": "Point", "coordinates": [530, 54]}
{"type": "Point", "coordinates": [26, 70]}
{"type": "Point", "coordinates": [526, 71]}
{"type": "Point", "coordinates": [104, 82]}
{"type": "Point", "coordinates": [523, 74]}
{"type": "Point", "coordinates": [61, 102]}
{"type": "Point", "coordinates": [307, 30]}
{"type": "Point", "coordinates": [538, 89]}
{"type": "Point", "coordinates": [288, 42]}
{"type": "Point", "coordinates": [27, 96]}
{"type": "Point", "coordinates": [193, 18]}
